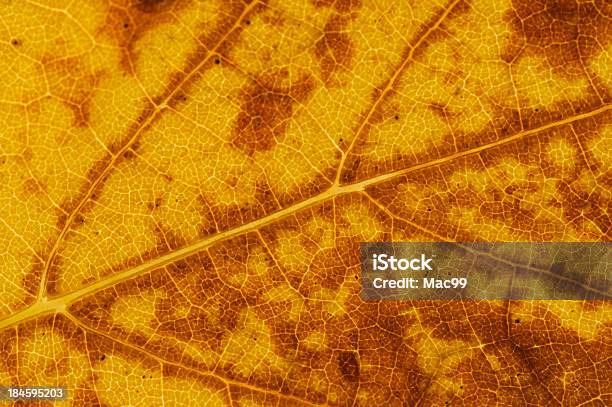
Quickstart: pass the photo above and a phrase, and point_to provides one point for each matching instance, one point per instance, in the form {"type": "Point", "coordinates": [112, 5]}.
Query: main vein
{"type": "Point", "coordinates": [60, 303]}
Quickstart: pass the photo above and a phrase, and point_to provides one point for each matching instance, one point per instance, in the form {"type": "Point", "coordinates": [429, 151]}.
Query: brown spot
{"type": "Point", "coordinates": [16, 42]}
{"type": "Point", "coordinates": [349, 365]}
{"type": "Point", "coordinates": [153, 6]}
{"type": "Point", "coordinates": [265, 113]}
{"type": "Point", "coordinates": [72, 82]}
{"type": "Point", "coordinates": [32, 186]}
{"type": "Point", "coordinates": [155, 204]}
{"type": "Point", "coordinates": [342, 6]}
{"type": "Point", "coordinates": [27, 153]}
{"type": "Point", "coordinates": [87, 281]}
{"type": "Point", "coordinates": [349, 174]}
{"type": "Point", "coordinates": [86, 396]}
{"type": "Point", "coordinates": [129, 154]}
{"type": "Point", "coordinates": [131, 20]}
{"type": "Point", "coordinates": [440, 110]}
{"type": "Point", "coordinates": [335, 49]}
{"type": "Point", "coordinates": [275, 19]}
{"type": "Point", "coordinates": [31, 280]}
{"type": "Point", "coordinates": [567, 33]}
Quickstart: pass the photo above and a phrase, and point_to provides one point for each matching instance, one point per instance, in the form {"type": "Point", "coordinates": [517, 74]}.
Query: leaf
{"type": "Point", "coordinates": [185, 185]}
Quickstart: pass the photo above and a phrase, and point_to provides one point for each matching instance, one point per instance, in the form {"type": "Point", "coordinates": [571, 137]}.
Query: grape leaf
{"type": "Point", "coordinates": [185, 185]}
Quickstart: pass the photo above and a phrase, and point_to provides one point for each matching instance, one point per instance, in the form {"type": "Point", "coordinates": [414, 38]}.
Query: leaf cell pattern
{"type": "Point", "coordinates": [184, 186]}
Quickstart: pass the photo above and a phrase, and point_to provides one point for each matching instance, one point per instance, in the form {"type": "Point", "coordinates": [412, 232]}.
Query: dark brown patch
{"type": "Point", "coordinates": [220, 217]}
{"type": "Point", "coordinates": [335, 49]}
{"type": "Point", "coordinates": [72, 82]}
{"type": "Point", "coordinates": [68, 206]}
{"type": "Point", "coordinates": [342, 6]}
{"type": "Point", "coordinates": [155, 204]}
{"type": "Point", "coordinates": [128, 21]}
{"type": "Point", "coordinates": [275, 19]}
{"type": "Point", "coordinates": [53, 276]}
{"type": "Point", "coordinates": [8, 355]}
{"type": "Point", "coordinates": [27, 154]}
{"type": "Point", "coordinates": [350, 172]}
{"type": "Point", "coordinates": [86, 395]}
{"type": "Point", "coordinates": [266, 110]}
{"type": "Point", "coordinates": [153, 6]}
{"type": "Point", "coordinates": [567, 33]}
{"type": "Point", "coordinates": [32, 186]}
{"type": "Point", "coordinates": [31, 280]}
{"type": "Point", "coordinates": [581, 207]}
{"type": "Point", "coordinates": [549, 350]}
{"type": "Point", "coordinates": [129, 154]}
{"type": "Point", "coordinates": [349, 365]}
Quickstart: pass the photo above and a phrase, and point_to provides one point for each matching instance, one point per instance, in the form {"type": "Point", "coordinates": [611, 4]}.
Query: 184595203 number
{"type": "Point", "coordinates": [32, 393]}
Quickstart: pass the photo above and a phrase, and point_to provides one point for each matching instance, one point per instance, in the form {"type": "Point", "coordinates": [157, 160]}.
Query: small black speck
{"type": "Point", "coordinates": [126, 25]}
{"type": "Point", "coordinates": [16, 42]}
{"type": "Point", "coordinates": [396, 117]}
{"type": "Point", "coordinates": [217, 61]}
{"type": "Point", "coordinates": [102, 357]}
{"type": "Point", "coordinates": [517, 321]}
{"type": "Point", "coordinates": [248, 22]}
{"type": "Point", "coordinates": [428, 209]}
{"type": "Point", "coordinates": [537, 110]}
{"type": "Point", "coordinates": [144, 376]}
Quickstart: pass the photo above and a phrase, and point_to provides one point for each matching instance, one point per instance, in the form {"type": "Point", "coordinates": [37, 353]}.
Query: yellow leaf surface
{"type": "Point", "coordinates": [185, 183]}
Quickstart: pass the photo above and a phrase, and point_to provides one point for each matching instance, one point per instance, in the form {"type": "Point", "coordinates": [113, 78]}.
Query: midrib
{"type": "Point", "coordinates": [60, 303]}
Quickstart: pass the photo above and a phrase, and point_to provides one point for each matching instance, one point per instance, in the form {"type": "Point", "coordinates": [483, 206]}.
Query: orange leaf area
{"type": "Point", "coordinates": [184, 186]}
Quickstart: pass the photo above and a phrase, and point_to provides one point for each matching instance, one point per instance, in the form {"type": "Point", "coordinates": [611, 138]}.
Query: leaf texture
{"type": "Point", "coordinates": [184, 186]}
